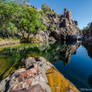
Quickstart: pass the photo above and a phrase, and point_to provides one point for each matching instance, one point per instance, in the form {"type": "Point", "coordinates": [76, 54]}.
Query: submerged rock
{"type": "Point", "coordinates": [58, 82]}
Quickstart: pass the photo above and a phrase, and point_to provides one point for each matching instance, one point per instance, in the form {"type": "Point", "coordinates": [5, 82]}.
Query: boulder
{"type": "Point", "coordinates": [37, 76]}
{"type": "Point", "coordinates": [32, 78]}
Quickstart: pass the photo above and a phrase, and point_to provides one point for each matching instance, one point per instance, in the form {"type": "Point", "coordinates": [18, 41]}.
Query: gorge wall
{"type": "Point", "coordinates": [64, 28]}
{"type": "Point", "coordinates": [59, 27]}
{"type": "Point", "coordinates": [87, 33]}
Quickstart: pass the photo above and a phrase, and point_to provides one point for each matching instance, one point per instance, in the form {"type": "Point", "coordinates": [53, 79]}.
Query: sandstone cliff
{"type": "Point", "coordinates": [58, 27]}
{"type": "Point", "coordinates": [87, 33]}
{"type": "Point", "coordinates": [61, 27]}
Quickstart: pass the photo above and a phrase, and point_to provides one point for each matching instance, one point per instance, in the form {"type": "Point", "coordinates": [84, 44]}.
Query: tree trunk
{"type": "Point", "coordinates": [28, 37]}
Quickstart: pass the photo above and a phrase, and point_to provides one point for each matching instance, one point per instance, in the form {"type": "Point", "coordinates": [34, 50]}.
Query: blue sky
{"type": "Point", "coordinates": [81, 9]}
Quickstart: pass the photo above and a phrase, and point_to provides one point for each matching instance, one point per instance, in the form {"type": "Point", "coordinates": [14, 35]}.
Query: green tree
{"type": "Point", "coordinates": [52, 28]}
{"type": "Point", "coordinates": [31, 21]}
{"type": "Point", "coordinates": [6, 16]}
{"type": "Point", "coordinates": [0, 1]}
{"type": "Point", "coordinates": [19, 19]}
{"type": "Point", "coordinates": [45, 8]}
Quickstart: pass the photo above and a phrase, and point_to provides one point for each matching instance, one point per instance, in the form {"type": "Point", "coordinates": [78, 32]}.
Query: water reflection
{"type": "Point", "coordinates": [11, 58]}
{"type": "Point", "coordinates": [90, 80]}
{"type": "Point", "coordinates": [79, 68]}
{"type": "Point", "coordinates": [88, 46]}
{"type": "Point", "coordinates": [74, 61]}
{"type": "Point", "coordinates": [62, 51]}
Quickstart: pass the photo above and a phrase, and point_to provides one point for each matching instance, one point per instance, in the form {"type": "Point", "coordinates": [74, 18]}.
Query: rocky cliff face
{"type": "Point", "coordinates": [87, 33]}
{"type": "Point", "coordinates": [88, 46]}
{"type": "Point", "coordinates": [58, 27]}
{"type": "Point", "coordinates": [64, 27]}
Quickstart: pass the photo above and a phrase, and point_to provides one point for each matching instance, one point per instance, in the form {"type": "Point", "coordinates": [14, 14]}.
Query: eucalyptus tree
{"type": "Point", "coordinates": [30, 21]}
{"type": "Point", "coordinates": [45, 8]}
{"type": "Point", "coordinates": [19, 18]}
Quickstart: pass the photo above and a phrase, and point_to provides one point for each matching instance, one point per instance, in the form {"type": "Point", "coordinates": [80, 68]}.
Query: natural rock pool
{"type": "Point", "coordinates": [74, 61]}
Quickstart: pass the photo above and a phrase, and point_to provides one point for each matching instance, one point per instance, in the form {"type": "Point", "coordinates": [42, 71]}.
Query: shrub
{"type": "Point", "coordinates": [52, 28]}
{"type": "Point", "coordinates": [45, 8]}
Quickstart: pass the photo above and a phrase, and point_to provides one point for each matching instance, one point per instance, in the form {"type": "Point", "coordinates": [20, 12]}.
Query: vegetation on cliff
{"type": "Point", "coordinates": [87, 32]}
{"type": "Point", "coordinates": [19, 20]}
{"type": "Point", "coordinates": [25, 22]}
{"type": "Point", "coordinates": [88, 27]}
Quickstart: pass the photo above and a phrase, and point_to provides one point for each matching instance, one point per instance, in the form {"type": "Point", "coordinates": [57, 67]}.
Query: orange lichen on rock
{"type": "Point", "coordinates": [58, 83]}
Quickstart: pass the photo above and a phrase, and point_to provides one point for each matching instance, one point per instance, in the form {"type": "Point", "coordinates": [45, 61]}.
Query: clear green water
{"type": "Point", "coordinates": [74, 61]}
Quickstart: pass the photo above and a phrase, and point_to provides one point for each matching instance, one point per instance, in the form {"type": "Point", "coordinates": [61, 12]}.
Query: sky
{"type": "Point", "coordinates": [81, 9]}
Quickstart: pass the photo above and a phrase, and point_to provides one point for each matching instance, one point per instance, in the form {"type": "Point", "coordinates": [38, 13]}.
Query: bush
{"type": "Point", "coordinates": [52, 28]}
{"type": "Point", "coordinates": [45, 8]}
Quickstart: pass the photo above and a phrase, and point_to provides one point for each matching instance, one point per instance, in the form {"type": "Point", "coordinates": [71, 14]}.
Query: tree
{"type": "Point", "coordinates": [0, 1]}
{"type": "Point", "coordinates": [21, 1]}
{"type": "Point", "coordinates": [52, 28]}
{"type": "Point", "coordinates": [7, 11]}
{"type": "Point", "coordinates": [18, 19]}
{"type": "Point", "coordinates": [45, 8]}
{"type": "Point", "coordinates": [31, 22]}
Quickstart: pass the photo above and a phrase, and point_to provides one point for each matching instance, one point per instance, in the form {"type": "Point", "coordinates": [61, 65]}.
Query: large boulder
{"type": "Point", "coordinates": [37, 76]}
{"type": "Point", "coordinates": [32, 78]}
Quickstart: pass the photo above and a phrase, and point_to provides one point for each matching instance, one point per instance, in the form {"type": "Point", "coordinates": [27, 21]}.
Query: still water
{"type": "Point", "coordinates": [74, 61]}
{"type": "Point", "coordinates": [79, 68]}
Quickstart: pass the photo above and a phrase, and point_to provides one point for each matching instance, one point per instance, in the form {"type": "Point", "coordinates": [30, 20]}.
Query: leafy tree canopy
{"type": "Point", "coordinates": [45, 8]}
{"type": "Point", "coordinates": [18, 19]}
